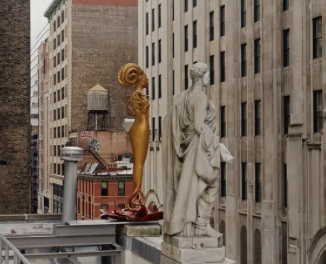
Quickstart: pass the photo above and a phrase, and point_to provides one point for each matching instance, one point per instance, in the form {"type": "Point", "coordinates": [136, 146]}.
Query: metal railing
{"type": "Point", "coordinates": [8, 246]}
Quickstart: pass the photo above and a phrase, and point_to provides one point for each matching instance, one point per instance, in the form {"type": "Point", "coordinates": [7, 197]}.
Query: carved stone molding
{"type": "Point", "coordinates": [315, 239]}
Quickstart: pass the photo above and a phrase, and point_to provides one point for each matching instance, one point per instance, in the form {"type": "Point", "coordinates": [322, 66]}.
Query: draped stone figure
{"type": "Point", "coordinates": [191, 154]}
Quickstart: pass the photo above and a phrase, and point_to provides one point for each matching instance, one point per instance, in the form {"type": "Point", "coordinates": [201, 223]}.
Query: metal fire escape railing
{"type": "Point", "coordinates": [99, 158]}
{"type": "Point", "coordinates": [18, 257]}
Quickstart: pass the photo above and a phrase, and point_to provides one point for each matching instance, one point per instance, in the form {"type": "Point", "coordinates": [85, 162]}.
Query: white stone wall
{"type": "Point", "coordinates": [303, 151]}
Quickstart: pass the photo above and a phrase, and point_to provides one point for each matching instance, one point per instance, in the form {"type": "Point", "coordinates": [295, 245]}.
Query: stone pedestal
{"type": "Point", "coordinates": [193, 250]}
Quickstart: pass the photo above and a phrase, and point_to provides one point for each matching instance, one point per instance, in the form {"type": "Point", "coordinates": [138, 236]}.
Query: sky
{"type": "Point", "coordinates": [38, 21]}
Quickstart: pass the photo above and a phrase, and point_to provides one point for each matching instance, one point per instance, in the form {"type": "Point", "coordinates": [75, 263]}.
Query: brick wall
{"type": "Point", "coordinates": [104, 38]}
{"type": "Point", "coordinates": [14, 106]}
{"type": "Point", "coordinates": [89, 188]}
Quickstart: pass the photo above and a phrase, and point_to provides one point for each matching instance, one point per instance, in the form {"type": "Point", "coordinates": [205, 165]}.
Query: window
{"type": "Point", "coordinates": [121, 188]}
{"type": "Point", "coordinates": [54, 44]}
{"type": "Point", "coordinates": [222, 21]}
{"type": "Point", "coordinates": [285, 186]}
{"type": "Point", "coordinates": [62, 16]}
{"type": "Point", "coordinates": [54, 26]}
{"type": "Point", "coordinates": [257, 117]}
{"type": "Point", "coordinates": [58, 21]}
{"type": "Point", "coordinates": [55, 132]}
{"type": "Point", "coordinates": [62, 74]}
{"type": "Point", "coordinates": [257, 183]}
{"type": "Point", "coordinates": [58, 75]}
{"type": "Point", "coordinates": [159, 15]}
{"type": "Point", "coordinates": [173, 10]}
{"type": "Point", "coordinates": [243, 60]}
{"type": "Point", "coordinates": [222, 66]}
{"type": "Point", "coordinates": [186, 5]}
{"type": "Point", "coordinates": [186, 38]}
{"type": "Point", "coordinates": [63, 35]}
{"type": "Point", "coordinates": [153, 54]}
{"type": "Point", "coordinates": [318, 111]}
{"type": "Point", "coordinates": [286, 112]}
{"type": "Point", "coordinates": [90, 207]}
{"type": "Point", "coordinates": [244, 181]}
{"type": "Point", "coordinates": [256, 10]}
{"type": "Point", "coordinates": [54, 115]}
{"type": "Point", "coordinates": [59, 169]}
{"type": "Point", "coordinates": [318, 38]}
{"type": "Point", "coordinates": [286, 48]}
{"type": "Point", "coordinates": [147, 89]}
{"type": "Point", "coordinates": [147, 24]}
{"type": "Point", "coordinates": [211, 70]}
{"type": "Point", "coordinates": [257, 56]}
{"type": "Point", "coordinates": [54, 79]}
{"type": "Point", "coordinates": [59, 134]}
{"type": "Point", "coordinates": [59, 150]}
{"type": "Point", "coordinates": [153, 19]}
{"type": "Point", "coordinates": [58, 94]}
{"type": "Point", "coordinates": [194, 37]}
{"type": "Point", "coordinates": [58, 58]}
{"type": "Point", "coordinates": [54, 61]}
{"type": "Point", "coordinates": [54, 168]}
{"type": "Point", "coordinates": [173, 45]}
{"type": "Point", "coordinates": [243, 13]}
{"type": "Point", "coordinates": [159, 86]}
{"type": "Point", "coordinates": [104, 189]}
{"type": "Point", "coordinates": [211, 26]}
{"type": "Point", "coordinates": [104, 206]}
{"type": "Point", "coordinates": [147, 60]}
{"type": "Point", "coordinates": [243, 119]}
{"type": "Point", "coordinates": [194, 3]}
{"type": "Point", "coordinates": [257, 247]}
{"type": "Point", "coordinates": [173, 86]}
{"type": "Point", "coordinates": [62, 131]}
{"type": "Point", "coordinates": [223, 122]}
{"type": "Point", "coordinates": [62, 93]}
{"type": "Point", "coordinates": [58, 38]}
{"type": "Point", "coordinates": [159, 128]}
{"type": "Point", "coordinates": [55, 151]}
{"type": "Point", "coordinates": [223, 179]}
{"type": "Point", "coordinates": [59, 113]}
{"type": "Point", "coordinates": [159, 51]}
{"type": "Point", "coordinates": [285, 5]}
{"type": "Point", "coordinates": [186, 77]}
{"type": "Point", "coordinates": [153, 88]}
{"type": "Point", "coordinates": [62, 112]}
{"type": "Point", "coordinates": [153, 128]}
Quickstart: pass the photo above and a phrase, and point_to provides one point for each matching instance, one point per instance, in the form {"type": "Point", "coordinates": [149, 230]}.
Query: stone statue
{"type": "Point", "coordinates": [191, 156]}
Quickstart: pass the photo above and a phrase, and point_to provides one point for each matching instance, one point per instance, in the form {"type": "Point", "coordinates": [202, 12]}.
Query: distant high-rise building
{"type": "Point", "coordinates": [89, 41]}
{"type": "Point", "coordinates": [15, 107]}
{"type": "Point", "coordinates": [266, 64]}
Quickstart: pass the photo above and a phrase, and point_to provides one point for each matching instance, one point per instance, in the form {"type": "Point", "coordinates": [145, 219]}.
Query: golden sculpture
{"type": "Point", "coordinates": [137, 105]}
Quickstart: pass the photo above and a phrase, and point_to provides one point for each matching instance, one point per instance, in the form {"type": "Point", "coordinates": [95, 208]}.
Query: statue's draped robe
{"type": "Point", "coordinates": [192, 164]}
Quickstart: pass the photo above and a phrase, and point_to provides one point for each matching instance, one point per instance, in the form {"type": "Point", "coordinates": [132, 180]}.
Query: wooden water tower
{"type": "Point", "coordinates": [98, 108]}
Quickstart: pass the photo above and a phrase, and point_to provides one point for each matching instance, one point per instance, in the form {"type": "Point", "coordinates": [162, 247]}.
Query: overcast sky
{"type": "Point", "coordinates": [38, 21]}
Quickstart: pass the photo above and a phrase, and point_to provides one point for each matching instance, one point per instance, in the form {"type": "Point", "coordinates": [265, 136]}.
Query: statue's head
{"type": "Point", "coordinates": [198, 72]}
{"type": "Point", "coordinates": [131, 74]}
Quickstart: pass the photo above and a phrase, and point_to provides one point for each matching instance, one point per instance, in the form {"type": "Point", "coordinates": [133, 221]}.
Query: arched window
{"type": "Point", "coordinates": [257, 247]}
{"type": "Point", "coordinates": [285, 250]}
{"type": "Point", "coordinates": [243, 245]}
{"type": "Point", "coordinates": [222, 231]}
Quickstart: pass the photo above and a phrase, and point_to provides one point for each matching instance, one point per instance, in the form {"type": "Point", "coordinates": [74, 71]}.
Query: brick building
{"type": "Point", "coordinates": [89, 41]}
{"type": "Point", "coordinates": [100, 192]}
{"type": "Point", "coordinates": [15, 107]}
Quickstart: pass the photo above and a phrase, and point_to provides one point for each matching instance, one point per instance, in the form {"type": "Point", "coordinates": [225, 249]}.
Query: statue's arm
{"type": "Point", "coordinates": [200, 111]}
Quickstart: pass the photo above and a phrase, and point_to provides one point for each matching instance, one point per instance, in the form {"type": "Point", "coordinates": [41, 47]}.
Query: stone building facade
{"type": "Point", "coordinates": [89, 41]}
{"type": "Point", "coordinates": [15, 107]}
{"type": "Point", "coordinates": [266, 64]}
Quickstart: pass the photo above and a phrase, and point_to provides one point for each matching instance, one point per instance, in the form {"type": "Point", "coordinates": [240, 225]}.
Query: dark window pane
{"type": "Point", "coordinates": [243, 13]}
{"type": "Point", "coordinates": [243, 181]}
{"type": "Point", "coordinates": [121, 188]}
{"type": "Point", "coordinates": [211, 64]}
{"type": "Point", "coordinates": [256, 10]}
{"type": "Point", "coordinates": [146, 23]}
{"type": "Point", "coordinates": [286, 112]}
{"type": "Point", "coordinates": [286, 48]}
{"type": "Point", "coordinates": [153, 128]}
{"type": "Point", "coordinates": [194, 3]}
{"type": "Point", "coordinates": [147, 55]}
{"type": "Point", "coordinates": [243, 60]}
{"type": "Point", "coordinates": [186, 77]}
{"type": "Point", "coordinates": [223, 179]}
{"type": "Point", "coordinates": [159, 15]}
{"type": "Point", "coordinates": [153, 54]}
{"type": "Point", "coordinates": [222, 21]}
{"type": "Point", "coordinates": [186, 38]}
{"type": "Point", "coordinates": [257, 117]}
{"type": "Point", "coordinates": [222, 66]}
{"type": "Point", "coordinates": [257, 56]}
{"type": "Point", "coordinates": [243, 119]}
{"type": "Point", "coordinates": [104, 189]}
{"type": "Point", "coordinates": [153, 19]}
{"type": "Point", "coordinates": [159, 51]}
{"type": "Point", "coordinates": [318, 111]}
{"type": "Point", "coordinates": [211, 26]}
{"type": "Point", "coordinates": [159, 86]}
{"type": "Point", "coordinates": [223, 122]}
{"type": "Point", "coordinates": [285, 186]}
{"type": "Point", "coordinates": [153, 88]}
{"type": "Point", "coordinates": [318, 38]}
{"type": "Point", "coordinates": [186, 5]}
{"type": "Point", "coordinates": [286, 5]}
{"type": "Point", "coordinates": [194, 37]}
{"type": "Point", "coordinates": [257, 183]}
